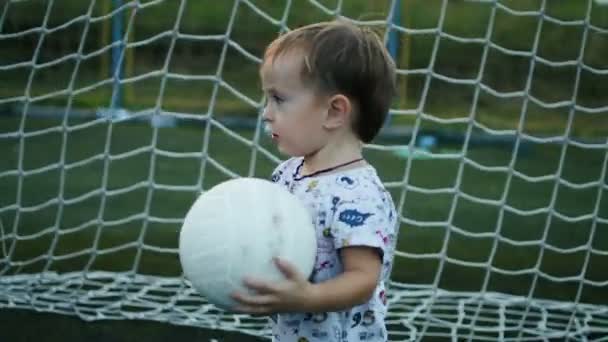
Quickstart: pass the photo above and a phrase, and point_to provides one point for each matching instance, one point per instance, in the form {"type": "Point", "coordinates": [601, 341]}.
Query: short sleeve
{"type": "Point", "coordinates": [363, 221]}
{"type": "Point", "coordinates": [279, 172]}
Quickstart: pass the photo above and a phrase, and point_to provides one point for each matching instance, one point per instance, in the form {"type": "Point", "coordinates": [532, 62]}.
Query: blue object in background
{"type": "Point", "coordinates": [427, 142]}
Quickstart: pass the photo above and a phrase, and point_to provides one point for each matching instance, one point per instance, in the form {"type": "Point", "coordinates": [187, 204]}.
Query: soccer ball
{"type": "Point", "coordinates": [235, 229]}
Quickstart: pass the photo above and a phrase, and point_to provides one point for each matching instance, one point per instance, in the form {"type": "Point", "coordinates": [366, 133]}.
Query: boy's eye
{"type": "Point", "coordinates": [276, 99]}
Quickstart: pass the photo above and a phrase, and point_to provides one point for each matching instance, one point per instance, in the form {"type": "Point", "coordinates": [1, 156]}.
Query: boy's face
{"type": "Point", "coordinates": [295, 113]}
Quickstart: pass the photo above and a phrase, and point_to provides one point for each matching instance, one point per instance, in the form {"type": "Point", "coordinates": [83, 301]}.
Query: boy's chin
{"type": "Point", "coordinates": [282, 150]}
{"type": "Point", "coordinates": [287, 152]}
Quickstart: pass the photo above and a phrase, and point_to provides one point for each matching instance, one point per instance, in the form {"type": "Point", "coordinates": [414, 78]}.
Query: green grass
{"type": "Point", "coordinates": [534, 160]}
{"type": "Point", "coordinates": [444, 100]}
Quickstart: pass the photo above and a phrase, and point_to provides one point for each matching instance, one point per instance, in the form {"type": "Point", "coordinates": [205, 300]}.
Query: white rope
{"type": "Point", "coordinates": [416, 311]}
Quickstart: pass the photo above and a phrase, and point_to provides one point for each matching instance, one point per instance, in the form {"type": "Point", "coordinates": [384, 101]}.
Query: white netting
{"type": "Point", "coordinates": [500, 176]}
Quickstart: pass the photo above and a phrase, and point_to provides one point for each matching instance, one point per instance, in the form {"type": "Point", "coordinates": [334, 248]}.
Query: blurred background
{"type": "Point", "coordinates": [198, 52]}
{"type": "Point", "coordinates": [114, 115]}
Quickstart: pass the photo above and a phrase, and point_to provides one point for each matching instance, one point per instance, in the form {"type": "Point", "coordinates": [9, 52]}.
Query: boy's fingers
{"type": "Point", "coordinates": [253, 310]}
{"type": "Point", "coordinates": [256, 300]}
{"type": "Point", "coordinates": [258, 285]}
{"type": "Point", "coordinates": [288, 270]}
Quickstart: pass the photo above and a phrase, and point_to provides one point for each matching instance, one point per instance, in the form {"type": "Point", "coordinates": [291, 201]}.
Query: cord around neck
{"type": "Point", "coordinates": [316, 173]}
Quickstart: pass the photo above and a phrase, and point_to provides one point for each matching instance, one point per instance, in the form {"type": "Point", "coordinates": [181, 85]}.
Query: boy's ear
{"type": "Point", "coordinates": [339, 111]}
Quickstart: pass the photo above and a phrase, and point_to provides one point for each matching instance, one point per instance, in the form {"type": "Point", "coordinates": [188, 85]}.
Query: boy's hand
{"type": "Point", "coordinates": [291, 295]}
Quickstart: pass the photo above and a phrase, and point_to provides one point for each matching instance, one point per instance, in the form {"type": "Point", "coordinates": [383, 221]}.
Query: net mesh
{"type": "Point", "coordinates": [499, 176]}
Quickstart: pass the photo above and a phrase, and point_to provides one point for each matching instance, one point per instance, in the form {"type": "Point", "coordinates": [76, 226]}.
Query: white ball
{"type": "Point", "coordinates": [236, 229]}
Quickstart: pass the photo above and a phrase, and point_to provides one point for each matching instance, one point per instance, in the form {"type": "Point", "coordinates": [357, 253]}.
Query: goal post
{"type": "Point", "coordinates": [496, 155]}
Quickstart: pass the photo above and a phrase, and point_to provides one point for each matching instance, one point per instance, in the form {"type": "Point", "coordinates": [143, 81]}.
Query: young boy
{"type": "Point", "coordinates": [329, 87]}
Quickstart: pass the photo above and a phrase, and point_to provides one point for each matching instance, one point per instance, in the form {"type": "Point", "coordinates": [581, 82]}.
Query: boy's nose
{"type": "Point", "coordinates": [267, 115]}
{"type": "Point", "coordinates": [267, 121]}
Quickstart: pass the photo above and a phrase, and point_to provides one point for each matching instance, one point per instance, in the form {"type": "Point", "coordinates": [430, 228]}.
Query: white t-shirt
{"type": "Point", "coordinates": [349, 208]}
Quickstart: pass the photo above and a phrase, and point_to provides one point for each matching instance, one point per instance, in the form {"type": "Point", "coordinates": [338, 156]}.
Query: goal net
{"type": "Point", "coordinates": [114, 115]}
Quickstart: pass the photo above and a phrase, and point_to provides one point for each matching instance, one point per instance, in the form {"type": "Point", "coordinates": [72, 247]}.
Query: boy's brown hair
{"type": "Point", "coordinates": [340, 57]}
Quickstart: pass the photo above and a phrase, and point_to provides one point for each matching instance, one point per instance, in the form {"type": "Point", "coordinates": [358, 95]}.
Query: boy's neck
{"type": "Point", "coordinates": [332, 154]}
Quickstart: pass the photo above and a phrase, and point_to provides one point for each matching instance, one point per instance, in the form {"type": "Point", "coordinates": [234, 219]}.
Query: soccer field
{"type": "Point", "coordinates": [136, 215]}
{"type": "Point", "coordinates": [495, 152]}
{"type": "Point", "coordinates": [133, 218]}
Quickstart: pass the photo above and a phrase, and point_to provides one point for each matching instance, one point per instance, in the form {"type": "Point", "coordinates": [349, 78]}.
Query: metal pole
{"type": "Point", "coordinates": [393, 35]}
{"type": "Point", "coordinates": [392, 43]}
{"type": "Point", "coordinates": [117, 22]}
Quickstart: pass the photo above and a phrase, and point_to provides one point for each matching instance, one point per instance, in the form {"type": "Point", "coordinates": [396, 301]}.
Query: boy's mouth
{"type": "Point", "coordinates": [269, 131]}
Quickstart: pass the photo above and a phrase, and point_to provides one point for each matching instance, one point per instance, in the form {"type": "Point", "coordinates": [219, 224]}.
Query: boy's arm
{"type": "Point", "coordinates": [354, 286]}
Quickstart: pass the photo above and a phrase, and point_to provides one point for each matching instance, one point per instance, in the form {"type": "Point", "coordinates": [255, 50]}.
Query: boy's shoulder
{"type": "Point", "coordinates": [350, 180]}
{"type": "Point", "coordinates": [358, 184]}
{"type": "Point", "coordinates": [349, 184]}
{"type": "Point", "coordinates": [285, 168]}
